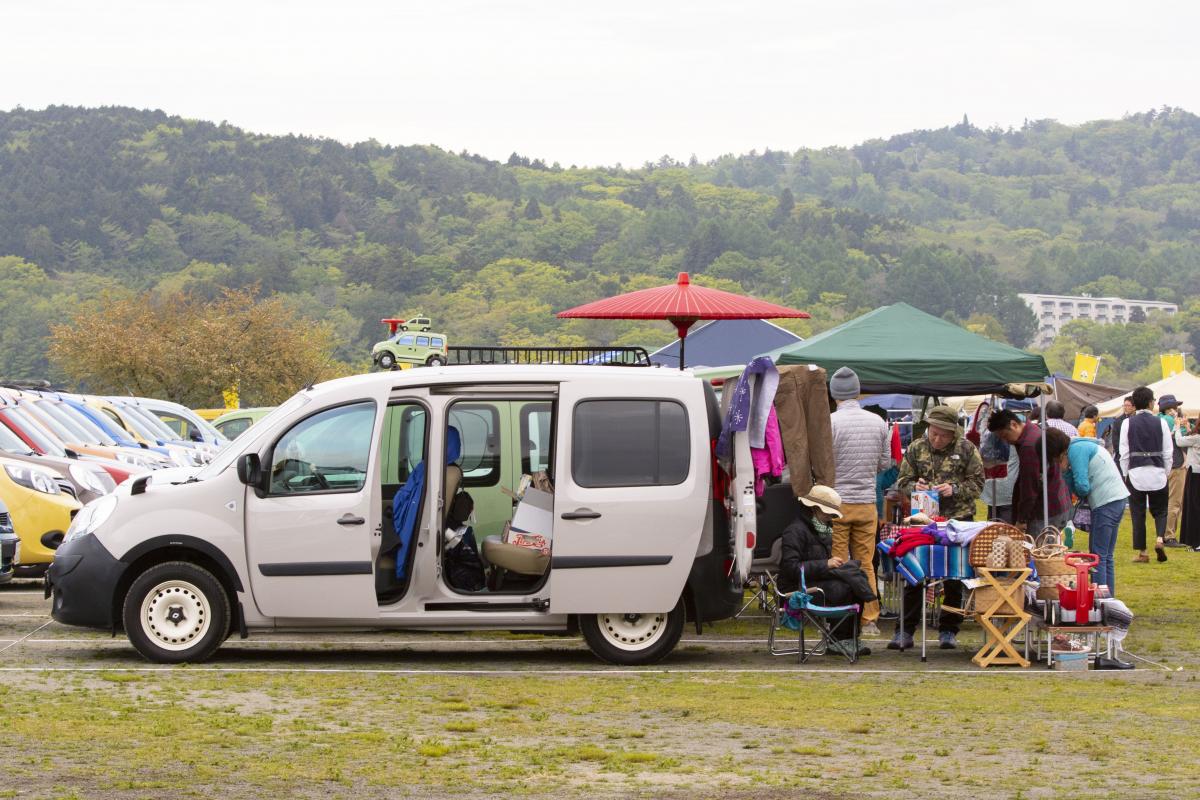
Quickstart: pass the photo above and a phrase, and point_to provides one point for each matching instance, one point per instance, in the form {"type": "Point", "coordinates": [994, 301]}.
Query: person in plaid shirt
{"type": "Point", "coordinates": [1027, 493]}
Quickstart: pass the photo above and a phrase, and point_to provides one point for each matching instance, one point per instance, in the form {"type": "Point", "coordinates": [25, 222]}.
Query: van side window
{"type": "Point", "coordinates": [479, 425]}
{"type": "Point", "coordinates": [422, 341]}
{"type": "Point", "coordinates": [535, 438]}
{"type": "Point", "coordinates": [438, 341]}
{"type": "Point", "coordinates": [630, 443]}
{"type": "Point", "coordinates": [326, 452]}
{"type": "Point", "coordinates": [404, 441]}
{"type": "Point", "coordinates": [407, 338]}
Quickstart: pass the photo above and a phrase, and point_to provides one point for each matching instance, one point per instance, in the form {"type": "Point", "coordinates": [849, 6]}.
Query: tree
{"type": "Point", "coordinates": [783, 211]}
{"type": "Point", "coordinates": [186, 348]}
{"type": "Point", "coordinates": [532, 209]}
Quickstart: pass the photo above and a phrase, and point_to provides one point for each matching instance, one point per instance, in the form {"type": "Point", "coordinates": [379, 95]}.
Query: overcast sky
{"type": "Point", "coordinates": [604, 81]}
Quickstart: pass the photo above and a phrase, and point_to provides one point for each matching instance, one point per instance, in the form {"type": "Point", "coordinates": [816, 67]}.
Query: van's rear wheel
{"type": "Point", "coordinates": [436, 361]}
{"type": "Point", "coordinates": [632, 639]}
{"type": "Point", "coordinates": [176, 612]}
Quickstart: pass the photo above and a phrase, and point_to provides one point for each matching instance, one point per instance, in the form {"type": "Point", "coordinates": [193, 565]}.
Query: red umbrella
{"type": "Point", "coordinates": [681, 304]}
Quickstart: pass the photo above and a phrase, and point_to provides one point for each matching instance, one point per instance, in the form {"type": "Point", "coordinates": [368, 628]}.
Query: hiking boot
{"type": "Point", "coordinates": [869, 629]}
{"type": "Point", "coordinates": [901, 641]}
{"type": "Point", "coordinates": [948, 640]}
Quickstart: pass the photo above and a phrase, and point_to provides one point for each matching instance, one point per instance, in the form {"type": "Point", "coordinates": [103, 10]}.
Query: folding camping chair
{"type": "Point", "coordinates": [797, 610]}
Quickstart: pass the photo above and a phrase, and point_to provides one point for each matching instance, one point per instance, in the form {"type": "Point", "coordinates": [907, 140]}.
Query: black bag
{"type": "Point", "coordinates": [464, 567]}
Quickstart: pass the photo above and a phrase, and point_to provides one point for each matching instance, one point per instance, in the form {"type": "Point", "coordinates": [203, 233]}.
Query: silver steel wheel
{"type": "Point", "coordinates": [175, 615]}
{"type": "Point", "coordinates": [632, 632]}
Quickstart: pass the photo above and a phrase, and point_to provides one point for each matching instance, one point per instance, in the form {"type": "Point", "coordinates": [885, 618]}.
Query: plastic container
{"type": "Point", "coordinates": [1071, 662]}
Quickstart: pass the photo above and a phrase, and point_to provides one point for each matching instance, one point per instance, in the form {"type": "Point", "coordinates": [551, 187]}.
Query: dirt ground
{"type": "Point", "coordinates": [368, 714]}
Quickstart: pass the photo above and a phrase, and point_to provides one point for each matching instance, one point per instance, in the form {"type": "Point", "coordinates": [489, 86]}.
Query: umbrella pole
{"type": "Point", "coordinates": [682, 346]}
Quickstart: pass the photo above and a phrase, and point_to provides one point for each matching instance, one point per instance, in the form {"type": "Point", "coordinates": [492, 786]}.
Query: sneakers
{"type": "Point", "coordinates": [1173, 543]}
{"type": "Point", "coordinates": [947, 640]}
{"type": "Point", "coordinates": [901, 641]}
{"type": "Point", "coordinates": [869, 629]}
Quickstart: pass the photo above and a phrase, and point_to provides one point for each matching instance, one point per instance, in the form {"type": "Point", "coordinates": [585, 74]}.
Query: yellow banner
{"type": "Point", "coordinates": [1086, 368]}
{"type": "Point", "coordinates": [231, 398]}
{"type": "Point", "coordinates": [1172, 364]}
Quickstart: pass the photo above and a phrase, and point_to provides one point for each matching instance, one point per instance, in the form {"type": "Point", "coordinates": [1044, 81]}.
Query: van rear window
{"type": "Point", "coordinates": [629, 443]}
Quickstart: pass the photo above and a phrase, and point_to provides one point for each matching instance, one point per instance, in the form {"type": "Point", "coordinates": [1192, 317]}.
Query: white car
{"type": "Point", "coordinates": [292, 524]}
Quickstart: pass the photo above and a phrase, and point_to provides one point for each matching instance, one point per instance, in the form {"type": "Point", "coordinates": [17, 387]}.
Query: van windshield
{"type": "Point", "coordinates": [249, 441]}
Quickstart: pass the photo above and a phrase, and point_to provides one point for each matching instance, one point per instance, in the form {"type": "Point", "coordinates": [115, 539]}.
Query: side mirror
{"type": "Point", "coordinates": [195, 435]}
{"type": "Point", "coordinates": [249, 470]}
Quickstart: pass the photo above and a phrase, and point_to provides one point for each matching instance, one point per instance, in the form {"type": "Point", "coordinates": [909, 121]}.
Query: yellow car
{"type": "Point", "coordinates": [41, 512]}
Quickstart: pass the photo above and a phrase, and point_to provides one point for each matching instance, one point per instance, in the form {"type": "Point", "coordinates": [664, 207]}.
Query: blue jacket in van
{"type": "Point", "coordinates": [1092, 473]}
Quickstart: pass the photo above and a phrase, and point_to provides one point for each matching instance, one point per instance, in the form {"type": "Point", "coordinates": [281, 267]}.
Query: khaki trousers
{"type": "Point", "coordinates": [1175, 483]}
{"type": "Point", "coordinates": [854, 537]}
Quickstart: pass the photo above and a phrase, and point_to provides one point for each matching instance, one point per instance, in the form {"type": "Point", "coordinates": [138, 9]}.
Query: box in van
{"type": "Point", "coordinates": [331, 512]}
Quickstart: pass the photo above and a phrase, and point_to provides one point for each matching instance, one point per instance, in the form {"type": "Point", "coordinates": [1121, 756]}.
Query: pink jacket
{"type": "Point", "coordinates": [768, 460]}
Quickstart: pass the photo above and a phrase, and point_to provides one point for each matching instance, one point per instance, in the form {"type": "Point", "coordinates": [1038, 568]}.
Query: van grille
{"type": "Point", "coordinates": [66, 487]}
{"type": "Point", "coordinates": [5, 522]}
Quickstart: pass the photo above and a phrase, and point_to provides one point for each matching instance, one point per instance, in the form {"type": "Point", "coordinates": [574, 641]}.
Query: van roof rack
{"type": "Point", "coordinates": [599, 356]}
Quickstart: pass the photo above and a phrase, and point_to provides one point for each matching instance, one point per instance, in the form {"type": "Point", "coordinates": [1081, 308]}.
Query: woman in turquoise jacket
{"type": "Point", "coordinates": [1092, 475]}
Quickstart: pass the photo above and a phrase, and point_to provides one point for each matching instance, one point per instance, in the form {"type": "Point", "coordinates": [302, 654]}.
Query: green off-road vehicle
{"type": "Point", "coordinates": [411, 344]}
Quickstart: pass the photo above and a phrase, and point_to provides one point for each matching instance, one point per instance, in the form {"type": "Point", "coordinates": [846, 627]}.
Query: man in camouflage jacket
{"type": "Point", "coordinates": [945, 461]}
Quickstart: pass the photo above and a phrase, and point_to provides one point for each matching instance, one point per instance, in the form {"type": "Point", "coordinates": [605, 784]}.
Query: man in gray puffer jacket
{"type": "Point", "coordinates": [860, 451]}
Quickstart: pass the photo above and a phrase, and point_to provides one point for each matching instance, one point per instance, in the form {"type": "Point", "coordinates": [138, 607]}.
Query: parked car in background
{"type": "Point", "coordinates": [43, 443]}
{"type": "Point", "coordinates": [187, 424]}
{"type": "Point", "coordinates": [41, 512]}
{"type": "Point", "coordinates": [80, 437]}
{"type": "Point", "coordinates": [10, 546]}
{"type": "Point", "coordinates": [82, 480]}
{"type": "Point", "coordinates": [233, 424]}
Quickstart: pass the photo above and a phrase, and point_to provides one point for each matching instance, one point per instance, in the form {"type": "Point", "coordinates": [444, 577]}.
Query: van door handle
{"type": "Point", "coordinates": [581, 515]}
{"type": "Point", "coordinates": [350, 519]}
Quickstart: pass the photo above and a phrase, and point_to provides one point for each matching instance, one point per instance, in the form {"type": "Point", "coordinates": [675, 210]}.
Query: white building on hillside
{"type": "Point", "coordinates": [1055, 310]}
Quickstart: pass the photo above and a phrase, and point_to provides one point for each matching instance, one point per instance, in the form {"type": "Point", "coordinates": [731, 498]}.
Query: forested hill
{"type": "Point", "coordinates": [954, 221]}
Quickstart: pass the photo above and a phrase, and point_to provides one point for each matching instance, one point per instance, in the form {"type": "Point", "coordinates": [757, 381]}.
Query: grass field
{"type": "Point", "coordinates": [715, 722]}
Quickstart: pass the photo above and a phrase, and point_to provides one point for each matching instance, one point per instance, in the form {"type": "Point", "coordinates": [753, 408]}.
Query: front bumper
{"type": "Point", "coordinates": [10, 547]}
{"type": "Point", "coordinates": [83, 580]}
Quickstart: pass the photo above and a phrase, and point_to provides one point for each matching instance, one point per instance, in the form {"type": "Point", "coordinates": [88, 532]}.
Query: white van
{"type": "Point", "coordinates": [291, 524]}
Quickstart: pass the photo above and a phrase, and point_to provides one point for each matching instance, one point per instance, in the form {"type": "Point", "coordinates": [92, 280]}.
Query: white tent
{"type": "Point", "coordinates": [1184, 385]}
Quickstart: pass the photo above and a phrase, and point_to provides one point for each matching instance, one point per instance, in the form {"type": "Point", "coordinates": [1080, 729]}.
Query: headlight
{"type": "Point", "coordinates": [32, 478]}
{"type": "Point", "coordinates": [88, 479]}
{"type": "Point", "coordinates": [134, 461]}
{"type": "Point", "coordinates": [91, 517]}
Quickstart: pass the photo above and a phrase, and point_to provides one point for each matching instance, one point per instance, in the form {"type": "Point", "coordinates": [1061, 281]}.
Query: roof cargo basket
{"type": "Point", "coordinates": [599, 356]}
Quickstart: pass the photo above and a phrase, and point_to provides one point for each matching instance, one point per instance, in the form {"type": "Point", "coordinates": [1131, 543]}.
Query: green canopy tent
{"type": "Point", "coordinates": [901, 349]}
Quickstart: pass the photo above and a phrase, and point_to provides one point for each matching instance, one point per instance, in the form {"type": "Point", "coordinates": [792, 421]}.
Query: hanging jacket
{"type": "Point", "coordinates": [768, 460]}
{"type": "Point", "coordinates": [407, 502]}
{"type": "Point", "coordinates": [750, 404]}
{"type": "Point", "coordinates": [1092, 473]}
{"type": "Point", "coordinates": [802, 406]}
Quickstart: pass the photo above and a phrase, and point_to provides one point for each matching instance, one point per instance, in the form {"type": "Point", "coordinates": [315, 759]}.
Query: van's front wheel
{"type": "Point", "coordinates": [176, 612]}
{"type": "Point", "coordinates": [633, 639]}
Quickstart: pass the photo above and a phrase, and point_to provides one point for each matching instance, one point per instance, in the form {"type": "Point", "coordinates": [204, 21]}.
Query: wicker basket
{"type": "Point", "coordinates": [1049, 556]}
{"type": "Point", "coordinates": [981, 545]}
